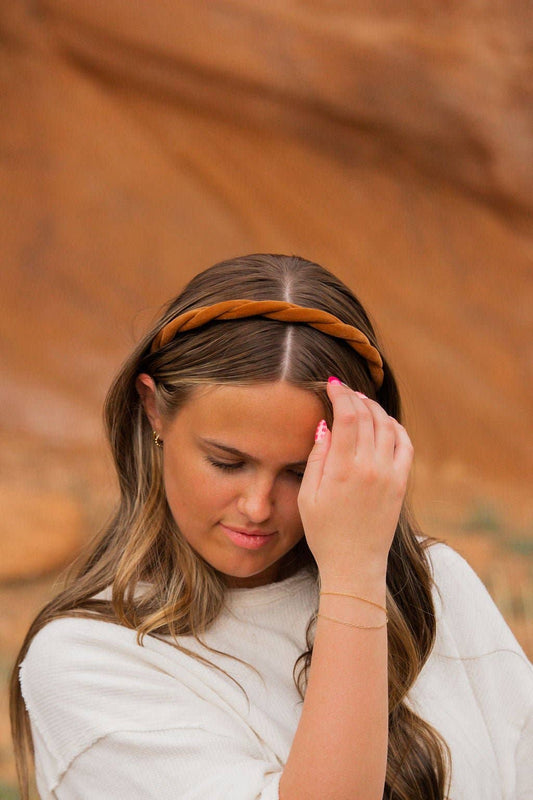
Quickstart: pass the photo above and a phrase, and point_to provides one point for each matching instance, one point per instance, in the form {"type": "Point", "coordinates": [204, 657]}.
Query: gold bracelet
{"type": "Point", "coordinates": [352, 625]}
{"type": "Point", "coordinates": [356, 597]}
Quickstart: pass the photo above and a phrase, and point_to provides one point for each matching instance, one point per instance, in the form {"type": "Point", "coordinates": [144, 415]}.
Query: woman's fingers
{"type": "Point", "coordinates": [403, 452]}
{"type": "Point", "coordinates": [391, 439]}
{"type": "Point", "coordinates": [354, 484]}
{"type": "Point", "coordinates": [363, 432]}
{"type": "Point", "coordinates": [384, 428]}
{"type": "Point", "coordinates": [353, 426]}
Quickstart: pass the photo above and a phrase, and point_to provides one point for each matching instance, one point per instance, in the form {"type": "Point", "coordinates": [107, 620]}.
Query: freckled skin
{"type": "Point", "coordinates": [273, 424]}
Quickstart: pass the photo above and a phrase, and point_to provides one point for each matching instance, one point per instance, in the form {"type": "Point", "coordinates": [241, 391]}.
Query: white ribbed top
{"type": "Point", "coordinates": [116, 721]}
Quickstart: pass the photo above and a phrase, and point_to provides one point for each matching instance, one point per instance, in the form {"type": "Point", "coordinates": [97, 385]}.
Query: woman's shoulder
{"type": "Point", "coordinates": [91, 661]}
{"type": "Point", "coordinates": [457, 589]}
{"type": "Point", "coordinates": [75, 625]}
{"type": "Point", "coordinates": [453, 577]}
{"type": "Point", "coordinates": [464, 608]}
{"type": "Point", "coordinates": [84, 678]}
{"type": "Point", "coordinates": [66, 640]}
{"type": "Point", "coordinates": [68, 650]}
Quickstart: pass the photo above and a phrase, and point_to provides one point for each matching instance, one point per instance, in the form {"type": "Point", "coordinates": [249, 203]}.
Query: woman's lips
{"type": "Point", "coordinates": [254, 532]}
{"type": "Point", "coordinates": [249, 540]}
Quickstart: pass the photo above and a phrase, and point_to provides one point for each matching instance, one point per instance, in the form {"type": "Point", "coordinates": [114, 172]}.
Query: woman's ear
{"type": "Point", "coordinates": [146, 389]}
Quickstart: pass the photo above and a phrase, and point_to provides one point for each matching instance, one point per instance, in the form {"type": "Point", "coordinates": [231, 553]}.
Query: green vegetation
{"type": "Point", "coordinates": [483, 517]}
{"type": "Point", "coordinates": [8, 792]}
{"type": "Point", "coordinates": [523, 546]}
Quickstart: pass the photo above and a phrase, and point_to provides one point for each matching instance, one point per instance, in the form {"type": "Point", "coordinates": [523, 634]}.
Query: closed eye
{"type": "Point", "coordinates": [234, 465]}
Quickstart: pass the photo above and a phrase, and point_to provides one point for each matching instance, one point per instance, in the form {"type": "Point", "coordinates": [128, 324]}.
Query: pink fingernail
{"type": "Point", "coordinates": [321, 430]}
{"type": "Point", "coordinates": [333, 379]}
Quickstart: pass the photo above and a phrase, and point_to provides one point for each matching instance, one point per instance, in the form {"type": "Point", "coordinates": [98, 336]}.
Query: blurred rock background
{"type": "Point", "coordinates": [141, 142]}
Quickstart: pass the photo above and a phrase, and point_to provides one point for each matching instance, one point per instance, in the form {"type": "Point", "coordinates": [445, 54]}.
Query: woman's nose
{"type": "Point", "coordinates": [256, 501]}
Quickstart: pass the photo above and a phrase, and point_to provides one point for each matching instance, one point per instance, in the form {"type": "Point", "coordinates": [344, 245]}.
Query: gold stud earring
{"type": "Point", "coordinates": [157, 439]}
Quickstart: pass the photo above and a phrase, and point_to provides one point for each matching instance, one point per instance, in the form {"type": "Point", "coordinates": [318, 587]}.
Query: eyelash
{"type": "Point", "coordinates": [223, 465]}
{"type": "Point", "coordinates": [239, 465]}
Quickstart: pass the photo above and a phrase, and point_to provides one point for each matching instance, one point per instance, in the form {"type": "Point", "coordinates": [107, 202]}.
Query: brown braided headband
{"type": "Point", "coordinates": [281, 311]}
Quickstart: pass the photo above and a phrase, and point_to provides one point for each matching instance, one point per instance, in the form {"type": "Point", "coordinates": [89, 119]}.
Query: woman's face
{"type": "Point", "coordinates": [233, 461]}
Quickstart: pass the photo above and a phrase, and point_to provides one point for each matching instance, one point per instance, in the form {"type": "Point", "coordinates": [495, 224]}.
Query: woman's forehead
{"type": "Point", "coordinates": [254, 417]}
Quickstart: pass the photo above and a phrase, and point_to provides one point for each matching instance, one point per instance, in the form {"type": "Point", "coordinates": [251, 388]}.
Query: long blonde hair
{"type": "Point", "coordinates": [143, 543]}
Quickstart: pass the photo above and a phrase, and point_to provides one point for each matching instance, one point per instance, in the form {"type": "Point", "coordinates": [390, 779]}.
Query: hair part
{"type": "Point", "coordinates": [142, 547]}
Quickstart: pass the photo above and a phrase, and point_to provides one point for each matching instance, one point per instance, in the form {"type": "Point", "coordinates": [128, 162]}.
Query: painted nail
{"type": "Point", "coordinates": [321, 430]}
{"type": "Point", "coordinates": [334, 380]}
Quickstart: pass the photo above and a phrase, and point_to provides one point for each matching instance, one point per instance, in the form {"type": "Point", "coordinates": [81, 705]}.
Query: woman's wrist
{"type": "Point", "coordinates": [354, 610]}
{"type": "Point", "coordinates": [370, 581]}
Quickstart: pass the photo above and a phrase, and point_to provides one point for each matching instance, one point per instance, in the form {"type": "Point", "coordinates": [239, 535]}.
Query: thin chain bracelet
{"type": "Point", "coordinates": [352, 625]}
{"type": "Point", "coordinates": [356, 597]}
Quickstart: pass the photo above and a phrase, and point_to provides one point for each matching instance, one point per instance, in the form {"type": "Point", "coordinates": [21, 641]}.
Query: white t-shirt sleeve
{"type": "Point", "coordinates": [111, 719]}
{"type": "Point", "coordinates": [169, 765]}
{"type": "Point", "coordinates": [473, 637]}
{"type": "Point", "coordinates": [524, 760]}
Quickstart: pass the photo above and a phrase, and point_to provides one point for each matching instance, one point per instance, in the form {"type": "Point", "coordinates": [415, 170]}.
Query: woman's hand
{"type": "Point", "coordinates": [353, 487]}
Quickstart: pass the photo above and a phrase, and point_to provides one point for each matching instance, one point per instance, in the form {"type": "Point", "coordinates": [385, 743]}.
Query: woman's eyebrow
{"type": "Point", "coordinates": [234, 452]}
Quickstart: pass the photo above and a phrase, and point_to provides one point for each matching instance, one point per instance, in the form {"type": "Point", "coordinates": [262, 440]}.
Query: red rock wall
{"type": "Point", "coordinates": [141, 142]}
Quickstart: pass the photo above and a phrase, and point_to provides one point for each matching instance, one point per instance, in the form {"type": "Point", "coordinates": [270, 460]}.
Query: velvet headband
{"type": "Point", "coordinates": [281, 311]}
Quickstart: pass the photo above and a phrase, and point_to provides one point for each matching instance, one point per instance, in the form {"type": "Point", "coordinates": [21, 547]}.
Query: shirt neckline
{"type": "Point", "coordinates": [270, 592]}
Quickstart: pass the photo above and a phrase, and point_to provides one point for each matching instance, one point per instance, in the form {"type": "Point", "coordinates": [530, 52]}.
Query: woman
{"type": "Point", "coordinates": [177, 662]}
